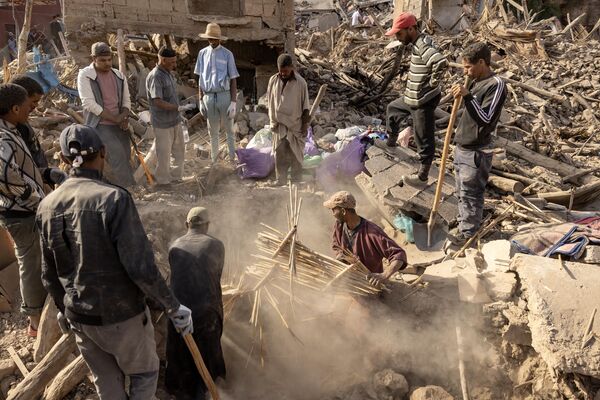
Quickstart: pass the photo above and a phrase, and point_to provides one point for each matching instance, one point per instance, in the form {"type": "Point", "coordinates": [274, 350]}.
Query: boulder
{"type": "Point", "coordinates": [390, 385]}
{"type": "Point", "coordinates": [430, 393]}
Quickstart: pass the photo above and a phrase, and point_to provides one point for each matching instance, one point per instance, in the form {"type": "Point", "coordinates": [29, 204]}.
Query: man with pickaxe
{"type": "Point", "coordinates": [483, 101]}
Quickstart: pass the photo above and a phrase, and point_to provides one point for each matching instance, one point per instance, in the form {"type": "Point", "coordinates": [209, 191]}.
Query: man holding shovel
{"type": "Point", "coordinates": [483, 101]}
{"type": "Point", "coordinates": [422, 94]}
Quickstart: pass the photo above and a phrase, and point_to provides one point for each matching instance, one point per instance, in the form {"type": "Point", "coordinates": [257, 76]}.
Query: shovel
{"type": "Point", "coordinates": [440, 181]}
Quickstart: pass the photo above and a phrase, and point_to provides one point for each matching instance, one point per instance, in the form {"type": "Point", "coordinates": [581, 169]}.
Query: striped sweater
{"type": "Point", "coordinates": [21, 184]}
{"type": "Point", "coordinates": [427, 67]}
{"type": "Point", "coordinates": [484, 106]}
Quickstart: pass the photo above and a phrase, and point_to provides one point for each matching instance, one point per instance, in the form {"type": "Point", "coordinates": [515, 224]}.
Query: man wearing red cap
{"type": "Point", "coordinates": [422, 94]}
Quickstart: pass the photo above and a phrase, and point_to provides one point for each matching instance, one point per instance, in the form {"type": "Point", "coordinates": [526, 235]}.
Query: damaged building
{"type": "Point", "coordinates": [257, 30]}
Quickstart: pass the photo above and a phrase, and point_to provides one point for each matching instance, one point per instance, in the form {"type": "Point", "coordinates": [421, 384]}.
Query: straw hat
{"type": "Point", "coordinates": [213, 31]}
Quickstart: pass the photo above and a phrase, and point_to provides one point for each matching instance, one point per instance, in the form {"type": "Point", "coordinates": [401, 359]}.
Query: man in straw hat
{"type": "Point", "coordinates": [217, 85]}
{"type": "Point", "coordinates": [363, 239]}
{"type": "Point", "coordinates": [104, 94]}
{"type": "Point", "coordinates": [99, 268]}
{"type": "Point", "coordinates": [289, 114]}
{"type": "Point", "coordinates": [196, 261]}
{"type": "Point", "coordinates": [422, 94]}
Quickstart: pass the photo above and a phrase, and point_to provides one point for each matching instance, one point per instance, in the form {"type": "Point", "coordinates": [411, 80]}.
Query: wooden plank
{"type": "Point", "coordinates": [18, 361]}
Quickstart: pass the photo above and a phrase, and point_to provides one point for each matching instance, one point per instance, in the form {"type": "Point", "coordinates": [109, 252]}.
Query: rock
{"type": "Point", "coordinates": [390, 385]}
{"type": "Point", "coordinates": [430, 393]}
{"type": "Point", "coordinates": [6, 384]}
{"type": "Point", "coordinates": [500, 286]}
{"type": "Point", "coordinates": [591, 255]}
{"type": "Point", "coordinates": [258, 120]}
{"type": "Point", "coordinates": [495, 251]}
{"type": "Point", "coordinates": [442, 279]}
{"type": "Point", "coordinates": [242, 128]}
{"type": "Point", "coordinates": [7, 367]}
{"type": "Point", "coordinates": [561, 297]}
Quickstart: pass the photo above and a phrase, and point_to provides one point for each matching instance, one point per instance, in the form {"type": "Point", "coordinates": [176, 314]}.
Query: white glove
{"type": "Point", "coordinates": [182, 320]}
{"type": "Point", "coordinates": [231, 110]}
{"type": "Point", "coordinates": [186, 107]}
{"type": "Point", "coordinates": [202, 108]}
{"type": "Point", "coordinates": [63, 324]}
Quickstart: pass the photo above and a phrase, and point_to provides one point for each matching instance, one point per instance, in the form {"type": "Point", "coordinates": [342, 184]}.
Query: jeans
{"type": "Point", "coordinates": [169, 142]}
{"type": "Point", "coordinates": [123, 349]}
{"type": "Point", "coordinates": [471, 170]}
{"type": "Point", "coordinates": [217, 105]}
{"type": "Point", "coordinates": [423, 119]}
{"type": "Point", "coordinates": [118, 154]}
{"type": "Point", "coordinates": [27, 249]}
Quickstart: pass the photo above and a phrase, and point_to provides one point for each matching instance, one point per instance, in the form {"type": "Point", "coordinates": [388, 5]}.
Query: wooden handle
{"type": "Point", "coordinates": [441, 175]}
{"type": "Point", "coordinates": [318, 99]}
{"type": "Point", "coordinates": [193, 348]}
{"type": "Point", "coordinates": [141, 159]}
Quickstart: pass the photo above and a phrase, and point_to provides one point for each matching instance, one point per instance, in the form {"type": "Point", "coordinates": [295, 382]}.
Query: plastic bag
{"type": "Point", "coordinates": [346, 163]}
{"type": "Point", "coordinates": [255, 163]}
{"type": "Point", "coordinates": [310, 148]}
{"type": "Point", "coordinates": [262, 139]}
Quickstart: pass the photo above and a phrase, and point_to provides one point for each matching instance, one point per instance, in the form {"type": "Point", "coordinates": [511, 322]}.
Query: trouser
{"type": "Point", "coordinates": [284, 159]}
{"type": "Point", "coordinates": [423, 120]}
{"type": "Point", "coordinates": [118, 152]}
{"type": "Point", "coordinates": [471, 171]}
{"type": "Point", "coordinates": [123, 349]}
{"type": "Point", "coordinates": [27, 249]}
{"type": "Point", "coordinates": [169, 141]}
{"type": "Point", "coordinates": [217, 105]}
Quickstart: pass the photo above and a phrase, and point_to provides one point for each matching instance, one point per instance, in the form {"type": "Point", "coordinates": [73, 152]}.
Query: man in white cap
{"type": "Point", "coordinates": [363, 239]}
{"type": "Point", "coordinates": [99, 268]}
{"type": "Point", "coordinates": [196, 261]}
{"type": "Point", "coordinates": [104, 94]}
{"type": "Point", "coordinates": [217, 86]}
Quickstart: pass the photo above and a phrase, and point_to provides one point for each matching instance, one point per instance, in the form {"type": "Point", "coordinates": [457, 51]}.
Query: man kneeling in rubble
{"type": "Point", "coordinates": [483, 101]}
{"type": "Point", "coordinates": [355, 237]}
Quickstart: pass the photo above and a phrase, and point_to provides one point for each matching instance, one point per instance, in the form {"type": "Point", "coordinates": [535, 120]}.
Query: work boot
{"type": "Point", "coordinates": [419, 178]}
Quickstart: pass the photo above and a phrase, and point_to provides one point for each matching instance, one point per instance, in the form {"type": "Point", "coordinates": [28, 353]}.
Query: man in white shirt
{"type": "Point", "coordinates": [217, 85]}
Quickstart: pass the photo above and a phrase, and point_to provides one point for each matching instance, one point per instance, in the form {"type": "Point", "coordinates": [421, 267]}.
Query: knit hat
{"type": "Point", "coordinates": [197, 215]}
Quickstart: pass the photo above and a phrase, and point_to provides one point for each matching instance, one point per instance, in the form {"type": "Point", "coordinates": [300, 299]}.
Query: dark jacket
{"type": "Point", "coordinates": [370, 244]}
{"type": "Point", "coordinates": [196, 262]}
{"type": "Point", "coordinates": [97, 262]}
{"type": "Point", "coordinates": [483, 107]}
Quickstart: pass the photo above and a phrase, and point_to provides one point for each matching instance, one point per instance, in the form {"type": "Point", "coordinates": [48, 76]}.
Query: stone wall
{"type": "Point", "coordinates": [249, 20]}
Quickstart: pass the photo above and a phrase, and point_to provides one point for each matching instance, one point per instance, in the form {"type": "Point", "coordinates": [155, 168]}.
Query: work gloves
{"type": "Point", "coordinates": [231, 110]}
{"type": "Point", "coordinates": [182, 320]}
{"type": "Point", "coordinates": [63, 324]}
{"type": "Point", "coordinates": [186, 107]}
{"type": "Point", "coordinates": [202, 108]}
{"type": "Point", "coordinates": [54, 176]}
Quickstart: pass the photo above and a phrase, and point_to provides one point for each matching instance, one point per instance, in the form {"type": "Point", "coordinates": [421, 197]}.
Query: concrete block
{"type": "Point", "coordinates": [386, 180]}
{"type": "Point", "coordinates": [7, 367]}
{"type": "Point", "coordinates": [430, 393]}
{"type": "Point", "coordinates": [442, 279]}
{"type": "Point", "coordinates": [161, 5]}
{"type": "Point", "coordinates": [180, 6]}
{"type": "Point", "coordinates": [500, 286]}
{"type": "Point", "coordinates": [561, 298]}
{"type": "Point", "coordinates": [494, 253]}
{"type": "Point", "coordinates": [253, 7]}
{"type": "Point", "coordinates": [377, 164]}
{"type": "Point", "coordinates": [592, 255]}
{"type": "Point", "coordinates": [269, 7]}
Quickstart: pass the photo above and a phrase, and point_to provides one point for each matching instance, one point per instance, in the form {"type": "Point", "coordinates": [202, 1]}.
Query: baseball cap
{"type": "Point", "coordinates": [197, 215]}
{"type": "Point", "coordinates": [101, 49]}
{"type": "Point", "coordinates": [341, 199]}
{"type": "Point", "coordinates": [402, 21]}
{"type": "Point", "coordinates": [79, 140]}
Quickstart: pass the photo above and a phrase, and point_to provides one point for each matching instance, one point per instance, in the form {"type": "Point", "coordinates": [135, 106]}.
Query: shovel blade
{"type": "Point", "coordinates": [438, 236]}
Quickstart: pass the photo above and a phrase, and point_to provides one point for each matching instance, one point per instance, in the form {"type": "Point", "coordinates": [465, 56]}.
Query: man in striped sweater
{"type": "Point", "coordinates": [422, 94]}
{"type": "Point", "coordinates": [21, 190]}
{"type": "Point", "coordinates": [483, 101]}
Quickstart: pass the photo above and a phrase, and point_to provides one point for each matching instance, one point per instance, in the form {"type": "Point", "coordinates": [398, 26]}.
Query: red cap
{"type": "Point", "coordinates": [402, 21]}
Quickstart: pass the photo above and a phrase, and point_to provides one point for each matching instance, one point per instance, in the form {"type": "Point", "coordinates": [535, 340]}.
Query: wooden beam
{"type": "Point", "coordinates": [23, 36]}
{"type": "Point", "coordinates": [66, 380]}
{"type": "Point", "coordinates": [34, 383]}
{"type": "Point", "coordinates": [13, 354]}
{"type": "Point", "coordinates": [121, 52]}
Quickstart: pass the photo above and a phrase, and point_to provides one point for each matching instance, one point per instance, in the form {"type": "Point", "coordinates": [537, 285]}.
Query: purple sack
{"type": "Point", "coordinates": [256, 163]}
{"type": "Point", "coordinates": [310, 148]}
{"type": "Point", "coordinates": [344, 164]}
